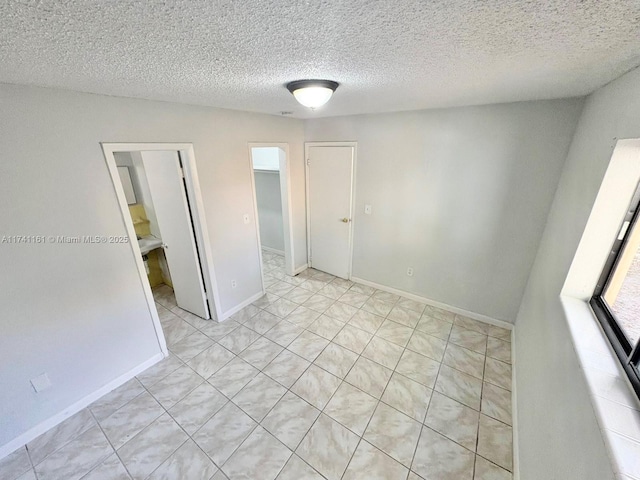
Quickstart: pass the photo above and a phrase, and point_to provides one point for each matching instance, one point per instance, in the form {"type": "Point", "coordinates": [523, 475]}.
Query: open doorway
{"type": "Point", "coordinates": [159, 197]}
{"type": "Point", "coordinates": [272, 202]}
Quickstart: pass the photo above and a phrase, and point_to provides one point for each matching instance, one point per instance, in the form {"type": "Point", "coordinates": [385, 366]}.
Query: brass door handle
{"type": "Point", "coordinates": [345, 220]}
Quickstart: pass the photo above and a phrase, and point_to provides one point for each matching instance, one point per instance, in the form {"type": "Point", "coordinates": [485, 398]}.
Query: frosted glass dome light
{"type": "Point", "coordinates": [312, 93]}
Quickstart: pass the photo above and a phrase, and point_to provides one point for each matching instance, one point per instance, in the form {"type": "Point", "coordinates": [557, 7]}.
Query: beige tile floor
{"type": "Point", "coordinates": [319, 379]}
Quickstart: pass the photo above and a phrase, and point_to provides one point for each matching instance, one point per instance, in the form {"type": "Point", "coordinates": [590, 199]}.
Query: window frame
{"type": "Point", "coordinates": [628, 354]}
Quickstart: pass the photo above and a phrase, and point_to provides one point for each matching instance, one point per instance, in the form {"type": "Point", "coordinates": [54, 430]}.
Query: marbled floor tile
{"type": "Point", "coordinates": [485, 470]}
{"type": "Point", "coordinates": [313, 285]}
{"type": "Point", "coordinates": [290, 420]}
{"type": "Point", "coordinates": [76, 458]}
{"type": "Point", "coordinates": [190, 318]}
{"type": "Point", "coordinates": [404, 316]}
{"type": "Point", "coordinates": [497, 373]}
{"type": "Point", "coordinates": [364, 289]}
{"type": "Point", "coordinates": [263, 322]}
{"type": "Point", "coordinates": [366, 321]}
{"type": "Point", "coordinates": [217, 330]}
{"type": "Point", "coordinates": [341, 311]}
{"type": "Point", "coordinates": [132, 418]}
{"type": "Point", "coordinates": [468, 339]}
{"type": "Point", "coordinates": [333, 291]}
{"type": "Point", "coordinates": [354, 299]}
{"type": "Point", "coordinates": [302, 316]}
{"type": "Point", "coordinates": [353, 338]}
{"type": "Point", "coordinates": [395, 333]}
{"type": "Point", "coordinates": [297, 469]}
{"type": "Point", "coordinates": [185, 463]}
{"type": "Point", "coordinates": [112, 401]}
{"type": "Point", "coordinates": [369, 463]}
{"type": "Point", "coordinates": [316, 386]}
{"type": "Point", "coordinates": [495, 442]}
{"type": "Point", "coordinates": [412, 305]}
{"type": "Point", "coordinates": [341, 282]}
{"type": "Point", "coordinates": [284, 333]}
{"type": "Point", "coordinates": [159, 370]}
{"type": "Point", "coordinates": [196, 408]}
{"type": "Point", "coordinates": [175, 386]}
{"type": "Point", "coordinates": [324, 277]}
{"type": "Point", "coordinates": [326, 327]}
{"type": "Point", "coordinates": [191, 346]}
{"type": "Point", "coordinates": [295, 281]}
{"type": "Point", "coordinates": [176, 329]}
{"type": "Point", "coordinates": [439, 458]}
{"type": "Point", "coordinates": [434, 326]}
{"type": "Point", "coordinates": [308, 345]}
{"type": "Point", "coordinates": [351, 407]}
{"type": "Point", "coordinates": [418, 367]}
{"type": "Point", "coordinates": [454, 420]}
{"type": "Point", "coordinates": [386, 296]}
{"type": "Point", "coordinates": [459, 386]}
{"type": "Point", "coordinates": [280, 288]}
{"type": "Point", "coordinates": [499, 332]}
{"type": "Point", "coordinates": [471, 324]}
{"type": "Point", "coordinates": [394, 433]}
{"type": "Point", "coordinates": [336, 359]}
{"type": "Point", "coordinates": [261, 352]}
{"type": "Point", "coordinates": [232, 378]}
{"type": "Point", "coordinates": [28, 475]}
{"type": "Point", "coordinates": [377, 306]}
{"type": "Point", "coordinates": [383, 352]}
{"type": "Point", "coordinates": [239, 339]}
{"type": "Point", "coordinates": [410, 397]}
{"type": "Point", "coordinates": [260, 456]}
{"type": "Point", "coordinates": [499, 349]}
{"type": "Point", "coordinates": [464, 360]}
{"type": "Point", "coordinates": [211, 360]}
{"type": "Point", "coordinates": [319, 303]}
{"type": "Point", "coordinates": [58, 436]}
{"type": "Point", "coordinates": [224, 432]}
{"type": "Point", "coordinates": [286, 368]}
{"type": "Point", "coordinates": [259, 396]}
{"type": "Point", "coordinates": [111, 469]}
{"type": "Point", "coordinates": [15, 464]}
{"type": "Point", "coordinates": [328, 447]}
{"type": "Point", "coordinates": [245, 314]}
{"type": "Point", "coordinates": [435, 312]}
{"type": "Point", "coordinates": [427, 345]}
{"type": "Point", "coordinates": [265, 300]}
{"type": "Point", "coordinates": [496, 403]}
{"type": "Point", "coordinates": [147, 450]}
{"type": "Point", "coordinates": [281, 308]}
{"type": "Point", "coordinates": [369, 377]}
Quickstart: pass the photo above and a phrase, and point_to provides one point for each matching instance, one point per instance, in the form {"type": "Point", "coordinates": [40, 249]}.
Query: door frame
{"type": "Point", "coordinates": [194, 195]}
{"type": "Point", "coordinates": [287, 207]}
{"type": "Point", "coordinates": [352, 209]}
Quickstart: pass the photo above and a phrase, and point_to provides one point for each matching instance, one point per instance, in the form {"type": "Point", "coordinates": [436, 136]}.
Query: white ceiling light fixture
{"type": "Point", "coordinates": [312, 93]}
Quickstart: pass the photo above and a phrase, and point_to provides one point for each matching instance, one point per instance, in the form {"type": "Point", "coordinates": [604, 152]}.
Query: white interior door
{"type": "Point", "coordinates": [330, 173]}
{"type": "Point", "coordinates": [169, 198]}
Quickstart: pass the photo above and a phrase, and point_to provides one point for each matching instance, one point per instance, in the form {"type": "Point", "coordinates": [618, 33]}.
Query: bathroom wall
{"type": "Point", "coordinates": [269, 200]}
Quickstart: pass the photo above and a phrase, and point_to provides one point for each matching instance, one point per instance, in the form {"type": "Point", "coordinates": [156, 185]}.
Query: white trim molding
{"type": "Point", "coordinates": [241, 305]}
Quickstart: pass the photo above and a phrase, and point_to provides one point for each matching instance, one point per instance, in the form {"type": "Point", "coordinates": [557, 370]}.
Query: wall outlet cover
{"type": "Point", "coordinates": [410, 272]}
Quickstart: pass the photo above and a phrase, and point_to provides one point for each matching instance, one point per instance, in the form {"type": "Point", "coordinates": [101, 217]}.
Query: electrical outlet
{"type": "Point", "coordinates": [41, 382]}
{"type": "Point", "coordinates": [410, 272]}
{"type": "Point", "coordinates": [245, 218]}
{"type": "Point", "coordinates": [234, 284]}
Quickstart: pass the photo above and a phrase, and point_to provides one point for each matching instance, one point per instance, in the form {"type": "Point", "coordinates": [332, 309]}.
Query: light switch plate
{"type": "Point", "coordinates": [41, 382]}
{"type": "Point", "coordinates": [367, 209]}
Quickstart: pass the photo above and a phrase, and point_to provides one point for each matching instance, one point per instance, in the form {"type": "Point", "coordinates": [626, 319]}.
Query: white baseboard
{"type": "Point", "coordinates": [300, 269]}
{"type": "Point", "coordinates": [240, 306]}
{"type": "Point", "coordinates": [514, 411]}
{"type": "Point", "coordinates": [273, 250]}
{"type": "Point", "coordinates": [51, 422]}
{"type": "Point", "coordinates": [433, 303]}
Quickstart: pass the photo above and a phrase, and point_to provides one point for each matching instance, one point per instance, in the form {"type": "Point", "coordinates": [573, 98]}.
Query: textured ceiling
{"type": "Point", "coordinates": [388, 55]}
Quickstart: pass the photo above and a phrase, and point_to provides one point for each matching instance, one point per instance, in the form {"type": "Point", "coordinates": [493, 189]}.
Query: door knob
{"type": "Point", "coordinates": [344, 220]}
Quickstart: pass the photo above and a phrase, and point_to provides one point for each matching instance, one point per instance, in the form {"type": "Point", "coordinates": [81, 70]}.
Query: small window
{"type": "Point", "coordinates": [616, 300]}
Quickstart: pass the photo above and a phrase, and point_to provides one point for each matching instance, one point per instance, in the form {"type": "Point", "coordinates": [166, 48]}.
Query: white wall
{"type": "Point", "coordinates": [78, 312]}
{"type": "Point", "coordinates": [556, 421]}
{"type": "Point", "coordinates": [269, 201]}
{"type": "Point", "coordinates": [461, 195]}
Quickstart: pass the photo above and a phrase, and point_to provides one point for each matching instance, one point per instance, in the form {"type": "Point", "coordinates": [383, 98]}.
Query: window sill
{"type": "Point", "coordinates": [615, 404]}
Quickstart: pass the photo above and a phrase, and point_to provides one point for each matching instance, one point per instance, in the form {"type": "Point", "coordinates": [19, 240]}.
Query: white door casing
{"type": "Point", "coordinates": [330, 175]}
{"type": "Point", "coordinates": [164, 175]}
